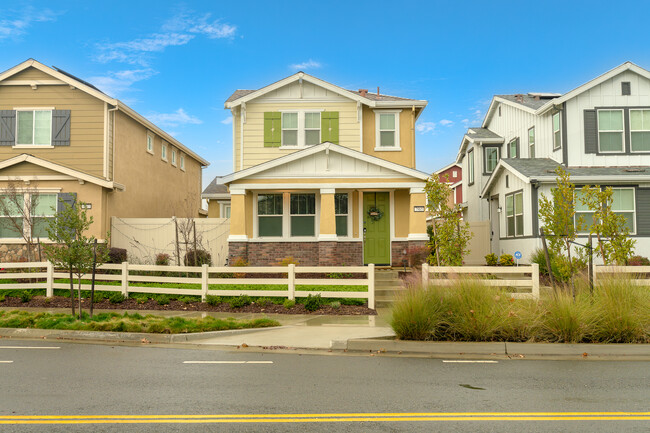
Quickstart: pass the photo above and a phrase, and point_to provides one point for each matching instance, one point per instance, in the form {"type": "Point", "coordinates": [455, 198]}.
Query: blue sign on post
{"type": "Point", "coordinates": [517, 255]}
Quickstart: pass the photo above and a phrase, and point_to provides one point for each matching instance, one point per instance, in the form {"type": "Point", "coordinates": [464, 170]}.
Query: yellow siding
{"type": "Point", "coordinates": [27, 169]}
{"type": "Point", "coordinates": [355, 214]}
{"type": "Point", "coordinates": [86, 150]}
{"type": "Point", "coordinates": [236, 156]}
{"type": "Point", "coordinates": [402, 213]}
{"type": "Point", "coordinates": [254, 150]}
{"type": "Point", "coordinates": [31, 74]}
{"type": "Point", "coordinates": [154, 188]}
{"type": "Point", "coordinates": [406, 156]}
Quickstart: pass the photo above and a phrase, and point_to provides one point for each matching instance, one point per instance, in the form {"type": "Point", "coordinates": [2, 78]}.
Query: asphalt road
{"type": "Point", "coordinates": [216, 390]}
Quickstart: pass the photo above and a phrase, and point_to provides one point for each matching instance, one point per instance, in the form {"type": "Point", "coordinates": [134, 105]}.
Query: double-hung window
{"type": "Point", "coordinates": [312, 129]}
{"type": "Point", "coordinates": [582, 210]}
{"type": "Point", "coordinates": [269, 215]}
{"type": "Point", "coordinates": [610, 131]}
{"type": "Point", "coordinates": [515, 214]}
{"type": "Point", "coordinates": [557, 131]}
{"type": "Point", "coordinates": [303, 214]}
{"type": "Point", "coordinates": [470, 165]}
{"type": "Point", "coordinates": [43, 209]}
{"type": "Point", "coordinates": [13, 223]}
{"type": "Point", "coordinates": [11, 220]}
{"type": "Point", "coordinates": [289, 129]}
{"type": "Point", "coordinates": [341, 212]}
{"type": "Point", "coordinates": [491, 158]}
{"type": "Point", "coordinates": [301, 128]}
{"type": "Point", "coordinates": [623, 203]}
{"type": "Point", "coordinates": [640, 130]}
{"type": "Point", "coordinates": [387, 130]}
{"type": "Point", "coordinates": [34, 127]}
{"type": "Point", "coordinates": [513, 148]}
{"type": "Point", "coordinates": [531, 142]}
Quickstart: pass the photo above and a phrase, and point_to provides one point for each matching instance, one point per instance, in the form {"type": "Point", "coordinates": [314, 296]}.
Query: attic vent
{"type": "Point", "coordinates": [635, 170]}
{"type": "Point", "coordinates": [625, 88]}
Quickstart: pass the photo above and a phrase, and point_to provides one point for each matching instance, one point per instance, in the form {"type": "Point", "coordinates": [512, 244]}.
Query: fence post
{"type": "Point", "coordinates": [204, 282]}
{"type": "Point", "coordinates": [292, 281]}
{"type": "Point", "coordinates": [125, 279]}
{"type": "Point", "coordinates": [535, 277]}
{"type": "Point", "coordinates": [371, 286]}
{"type": "Point", "coordinates": [49, 288]}
{"type": "Point", "coordinates": [425, 274]}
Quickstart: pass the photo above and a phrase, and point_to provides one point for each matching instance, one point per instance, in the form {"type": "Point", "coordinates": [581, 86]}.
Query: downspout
{"type": "Point", "coordinates": [105, 202]}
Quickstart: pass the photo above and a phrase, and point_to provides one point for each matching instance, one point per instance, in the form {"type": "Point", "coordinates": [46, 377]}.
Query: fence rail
{"type": "Point", "coordinates": [514, 276]}
{"type": "Point", "coordinates": [602, 271]}
{"type": "Point", "coordinates": [200, 276]}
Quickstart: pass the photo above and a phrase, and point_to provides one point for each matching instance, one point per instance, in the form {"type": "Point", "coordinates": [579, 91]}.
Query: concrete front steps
{"type": "Point", "coordinates": [387, 287]}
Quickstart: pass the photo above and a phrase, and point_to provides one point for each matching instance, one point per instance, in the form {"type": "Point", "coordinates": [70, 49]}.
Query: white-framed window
{"type": "Point", "coordinates": [270, 210]}
{"type": "Point", "coordinates": [454, 174]}
{"type": "Point", "coordinates": [174, 157]}
{"type": "Point", "coordinates": [610, 131]}
{"type": "Point", "coordinates": [183, 162]}
{"type": "Point", "coordinates": [531, 142]}
{"type": "Point", "coordinates": [301, 128]}
{"type": "Point", "coordinates": [515, 214]}
{"type": "Point", "coordinates": [639, 130]}
{"type": "Point", "coordinates": [43, 210]}
{"type": "Point", "coordinates": [303, 214]}
{"type": "Point", "coordinates": [513, 148]}
{"type": "Point", "coordinates": [341, 210]}
{"type": "Point", "coordinates": [557, 131]}
{"type": "Point", "coordinates": [491, 158]}
{"type": "Point", "coordinates": [150, 143]}
{"type": "Point", "coordinates": [387, 130]}
{"type": "Point", "coordinates": [624, 203]}
{"type": "Point", "coordinates": [226, 211]}
{"type": "Point", "coordinates": [583, 211]}
{"type": "Point", "coordinates": [163, 151]}
{"type": "Point", "coordinates": [470, 166]}
{"type": "Point", "coordinates": [33, 127]}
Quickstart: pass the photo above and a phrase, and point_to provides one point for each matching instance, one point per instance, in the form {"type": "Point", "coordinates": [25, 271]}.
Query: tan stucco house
{"type": "Point", "coordinates": [65, 139]}
{"type": "Point", "coordinates": [323, 174]}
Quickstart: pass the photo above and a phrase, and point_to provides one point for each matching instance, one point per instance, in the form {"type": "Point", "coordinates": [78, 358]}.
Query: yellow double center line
{"type": "Point", "coordinates": [326, 417]}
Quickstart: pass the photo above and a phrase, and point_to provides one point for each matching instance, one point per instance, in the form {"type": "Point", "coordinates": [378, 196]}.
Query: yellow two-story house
{"type": "Point", "coordinates": [322, 174]}
{"type": "Point", "coordinates": [63, 139]}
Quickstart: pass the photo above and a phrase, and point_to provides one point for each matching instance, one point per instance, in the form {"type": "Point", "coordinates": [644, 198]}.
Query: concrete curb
{"type": "Point", "coordinates": [514, 350]}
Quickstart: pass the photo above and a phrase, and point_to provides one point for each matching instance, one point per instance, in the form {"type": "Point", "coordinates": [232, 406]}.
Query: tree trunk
{"type": "Point", "coordinates": [71, 291]}
{"type": "Point", "coordinates": [92, 283]}
{"type": "Point", "coordinates": [79, 290]}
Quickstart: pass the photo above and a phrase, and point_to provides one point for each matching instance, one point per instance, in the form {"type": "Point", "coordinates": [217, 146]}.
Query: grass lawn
{"type": "Point", "coordinates": [114, 322]}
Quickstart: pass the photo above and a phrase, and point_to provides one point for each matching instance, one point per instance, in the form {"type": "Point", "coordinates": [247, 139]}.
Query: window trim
{"type": "Point", "coordinates": [634, 214]}
{"type": "Point", "coordinates": [286, 218]}
{"type": "Point", "coordinates": [182, 162]}
{"type": "Point", "coordinates": [174, 161]}
{"type": "Point", "coordinates": [531, 154]}
{"type": "Point", "coordinates": [470, 167]}
{"type": "Point", "coordinates": [32, 145]}
{"type": "Point", "coordinates": [163, 151]}
{"type": "Point", "coordinates": [622, 131]}
{"type": "Point", "coordinates": [559, 123]}
{"type": "Point", "coordinates": [26, 228]}
{"type": "Point", "coordinates": [485, 148]}
{"type": "Point", "coordinates": [516, 141]}
{"type": "Point", "coordinates": [291, 215]}
{"type": "Point", "coordinates": [633, 131]}
{"type": "Point", "coordinates": [514, 213]}
{"type": "Point", "coordinates": [150, 149]}
{"type": "Point", "coordinates": [397, 145]}
{"type": "Point", "coordinates": [348, 220]}
{"type": "Point", "coordinates": [301, 130]}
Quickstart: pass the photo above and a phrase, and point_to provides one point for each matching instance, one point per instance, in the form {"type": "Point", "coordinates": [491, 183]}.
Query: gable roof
{"type": "Point", "coordinates": [324, 147]}
{"type": "Point", "coordinates": [216, 189]}
{"type": "Point", "coordinates": [242, 96]}
{"type": "Point", "coordinates": [75, 174]}
{"type": "Point", "coordinates": [67, 78]}
{"type": "Point", "coordinates": [477, 135]}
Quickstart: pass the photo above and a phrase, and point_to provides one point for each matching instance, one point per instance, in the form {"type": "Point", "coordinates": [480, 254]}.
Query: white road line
{"type": "Point", "coordinates": [463, 361]}
{"type": "Point", "coordinates": [6, 362]}
{"type": "Point", "coordinates": [29, 347]}
{"type": "Point", "coordinates": [227, 362]}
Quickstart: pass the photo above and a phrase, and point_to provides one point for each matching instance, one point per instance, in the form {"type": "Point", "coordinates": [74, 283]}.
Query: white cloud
{"type": "Point", "coordinates": [227, 120]}
{"type": "Point", "coordinates": [309, 64]}
{"type": "Point", "coordinates": [178, 31]}
{"type": "Point", "coordinates": [465, 122]}
{"type": "Point", "coordinates": [178, 117]}
{"type": "Point", "coordinates": [425, 127]}
{"type": "Point", "coordinates": [446, 122]}
{"type": "Point", "coordinates": [117, 83]}
{"type": "Point", "coordinates": [18, 25]}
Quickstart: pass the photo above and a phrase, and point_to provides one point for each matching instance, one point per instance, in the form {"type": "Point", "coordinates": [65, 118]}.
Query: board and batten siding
{"type": "Point", "coordinates": [515, 184]}
{"type": "Point", "coordinates": [254, 150]}
{"type": "Point", "coordinates": [86, 150]}
{"type": "Point", "coordinates": [606, 94]}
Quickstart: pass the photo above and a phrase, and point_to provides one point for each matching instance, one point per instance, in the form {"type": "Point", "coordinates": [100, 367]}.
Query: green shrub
{"type": "Point", "coordinates": [416, 314]}
{"type": "Point", "coordinates": [313, 303]}
{"type": "Point", "coordinates": [116, 298]}
{"type": "Point", "coordinates": [491, 259]}
{"type": "Point", "coordinates": [336, 305]}
{"type": "Point", "coordinates": [352, 301]}
{"type": "Point", "coordinates": [263, 302]}
{"type": "Point", "coordinates": [141, 299]}
{"type": "Point", "coordinates": [506, 260]}
{"type": "Point", "coordinates": [2, 298]}
{"type": "Point", "coordinates": [25, 296]}
{"type": "Point", "coordinates": [116, 255]}
{"type": "Point", "coordinates": [162, 259]}
{"type": "Point", "coordinates": [188, 299]}
{"type": "Point", "coordinates": [289, 303]}
{"type": "Point", "coordinates": [162, 299]}
{"type": "Point", "coordinates": [213, 300]}
{"type": "Point", "coordinates": [240, 301]}
{"type": "Point", "coordinates": [197, 258]}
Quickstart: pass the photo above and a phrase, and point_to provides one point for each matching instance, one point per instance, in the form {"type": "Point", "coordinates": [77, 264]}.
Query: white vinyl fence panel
{"type": "Point", "coordinates": [144, 238]}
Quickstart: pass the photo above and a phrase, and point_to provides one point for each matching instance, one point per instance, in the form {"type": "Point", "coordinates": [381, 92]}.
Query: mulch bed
{"type": "Point", "coordinates": [132, 304]}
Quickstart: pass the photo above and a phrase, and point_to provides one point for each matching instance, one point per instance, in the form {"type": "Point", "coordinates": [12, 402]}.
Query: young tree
{"type": "Point", "coordinates": [557, 214]}
{"type": "Point", "coordinates": [18, 205]}
{"type": "Point", "coordinates": [73, 249]}
{"type": "Point", "coordinates": [450, 235]}
{"type": "Point", "coordinates": [614, 245]}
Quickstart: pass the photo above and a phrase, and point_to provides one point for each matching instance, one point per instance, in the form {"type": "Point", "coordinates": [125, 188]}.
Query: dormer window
{"type": "Point", "coordinates": [387, 130]}
{"type": "Point", "coordinates": [34, 127]}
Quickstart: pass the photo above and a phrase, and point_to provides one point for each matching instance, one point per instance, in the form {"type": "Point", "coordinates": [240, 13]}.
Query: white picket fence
{"type": "Point", "coordinates": [129, 283]}
{"type": "Point", "coordinates": [630, 271]}
{"type": "Point", "coordinates": [513, 276]}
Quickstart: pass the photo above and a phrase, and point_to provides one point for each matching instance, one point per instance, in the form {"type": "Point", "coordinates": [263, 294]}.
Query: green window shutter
{"type": "Point", "coordinates": [272, 129]}
{"type": "Point", "coordinates": [330, 126]}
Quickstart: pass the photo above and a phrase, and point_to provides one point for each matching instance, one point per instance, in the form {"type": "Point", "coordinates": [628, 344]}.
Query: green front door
{"type": "Point", "coordinates": [376, 228]}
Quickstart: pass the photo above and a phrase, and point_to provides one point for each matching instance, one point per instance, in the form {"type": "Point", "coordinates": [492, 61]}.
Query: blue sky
{"type": "Point", "coordinates": [177, 63]}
